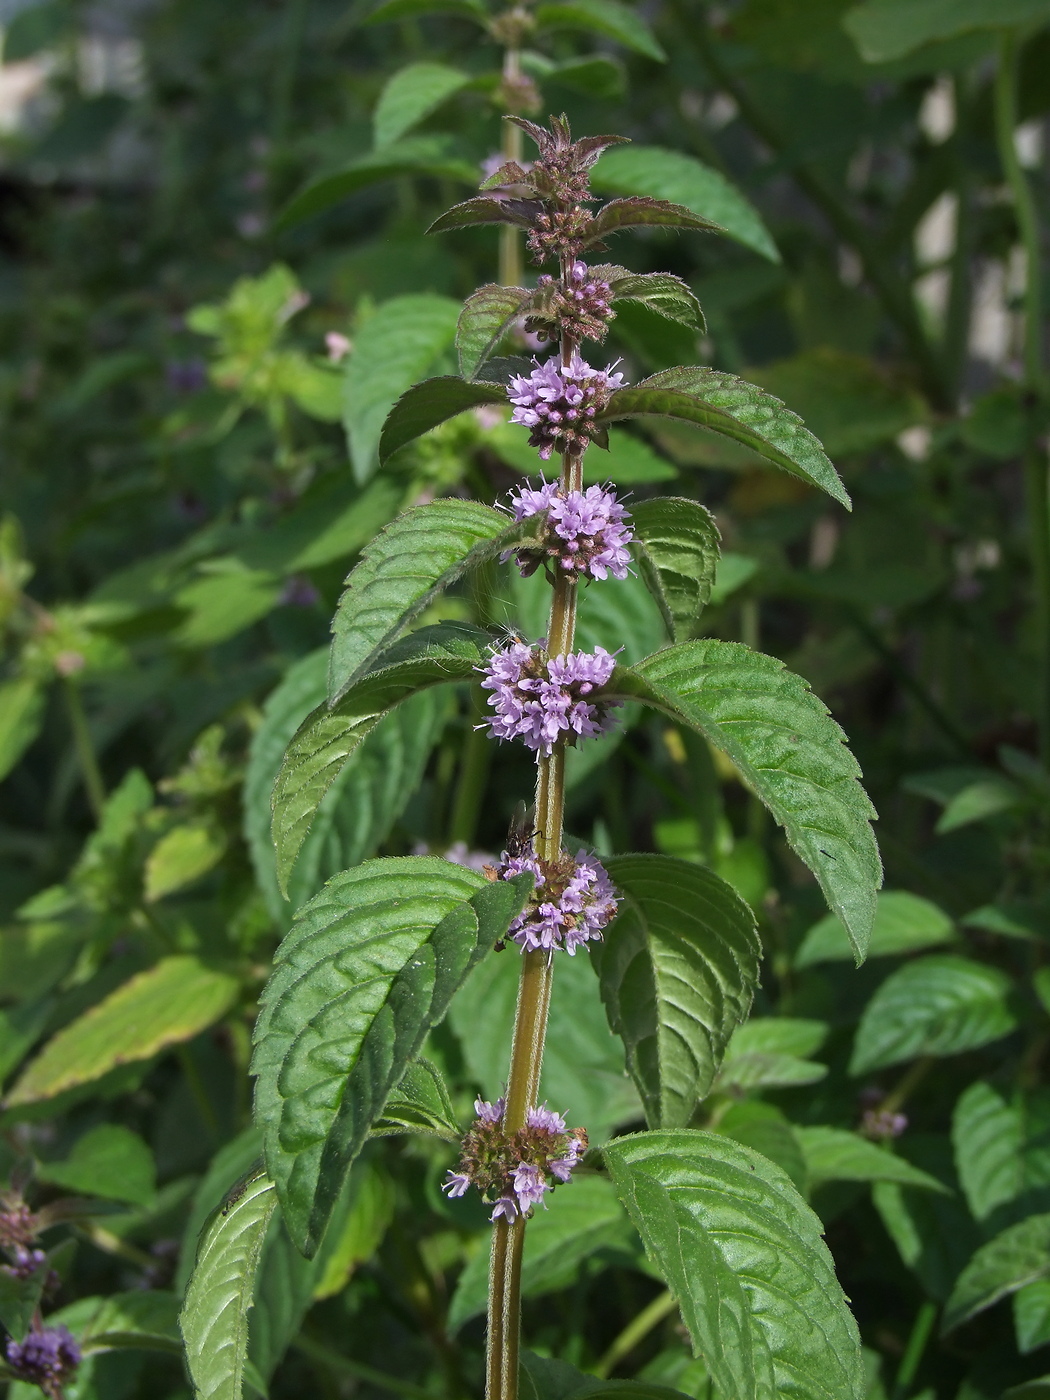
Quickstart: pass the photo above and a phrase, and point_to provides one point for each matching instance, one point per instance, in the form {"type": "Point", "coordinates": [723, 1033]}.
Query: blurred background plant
{"type": "Point", "coordinates": [213, 286]}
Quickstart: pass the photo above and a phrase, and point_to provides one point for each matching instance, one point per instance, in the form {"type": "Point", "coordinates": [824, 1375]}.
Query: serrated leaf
{"type": "Point", "coordinates": [487, 209]}
{"type": "Point", "coordinates": [166, 1005]}
{"type": "Point", "coordinates": [676, 545]}
{"type": "Point", "coordinates": [487, 316]}
{"type": "Point", "coordinates": [109, 1161]}
{"type": "Point", "coordinates": [678, 968]}
{"type": "Point", "coordinates": [988, 1138]}
{"type": "Point", "coordinates": [214, 1317]}
{"type": "Point", "coordinates": [884, 30]}
{"type": "Point", "coordinates": [1032, 1316]}
{"type": "Point", "coordinates": [146, 1319]}
{"type": "Point", "coordinates": [543, 1378]}
{"type": "Point", "coordinates": [638, 211]}
{"type": "Point", "coordinates": [904, 923]}
{"type": "Point", "coordinates": [420, 553]}
{"type": "Point", "coordinates": [431, 156]}
{"type": "Point", "coordinates": [681, 178]}
{"type": "Point", "coordinates": [21, 717]}
{"type": "Point", "coordinates": [582, 1220]}
{"type": "Point", "coordinates": [661, 292]}
{"type": "Point", "coordinates": [369, 966]}
{"type": "Point", "coordinates": [743, 1255]}
{"type": "Point", "coordinates": [738, 410]}
{"type": "Point", "coordinates": [397, 344]}
{"type": "Point", "coordinates": [1018, 1256]}
{"type": "Point", "coordinates": [606, 17]}
{"type": "Point", "coordinates": [788, 749]}
{"type": "Point", "coordinates": [328, 738]}
{"type": "Point", "coordinates": [433, 401]}
{"type": "Point", "coordinates": [412, 94]}
{"type": "Point", "coordinates": [419, 1104]}
{"type": "Point", "coordinates": [833, 1154]}
{"type": "Point", "coordinates": [940, 1005]}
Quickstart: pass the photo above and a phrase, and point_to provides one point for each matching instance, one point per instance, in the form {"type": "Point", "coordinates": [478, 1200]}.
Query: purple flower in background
{"type": "Point", "coordinates": [45, 1356]}
{"type": "Point", "coordinates": [882, 1125]}
{"type": "Point", "coordinates": [573, 901]}
{"type": "Point", "coordinates": [530, 1186]}
{"type": "Point", "coordinates": [586, 533]}
{"type": "Point", "coordinates": [541, 701]}
{"type": "Point", "coordinates": [559, 405]}
{"type": "Point", "coordinates": [25, 1263]}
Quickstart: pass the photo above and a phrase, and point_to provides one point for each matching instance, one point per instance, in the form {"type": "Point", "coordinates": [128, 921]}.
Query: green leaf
{"type": "Point", "coordinates": [109, 1161]}
{"type": "Point", "coordinates": [678, 968]}
{"type": "Point", "coordinates": [181, 856]}
{"type": "Point", "coordinates": [676, 546]}
{"type": "Point", "coordinates": [1039, 1389]}
{"type": "Point", "coordinates": [166, 1005]}
{"type": "Point", "coordinates": [940, 1005]}
{"type": "Point", "coordinates": [988, 1137]}
{"type": "Point", "coordinates": [582, 1220]}
{"type": "Point", "coordinates": [736, 409]}
{"type": "Point", "coordinates": [673, 175]}
{"type": "Point", "coordinates": [833, 1154]}
{"type": "Point", "coordinates": [977, 801]}
{"type": "Point", "coordinates": [361, 805]}
{"type": "Point", "coordinates": [234, 1161]}
{"type": "Point", "coordinates": [423, 155]}
{"type": "Point", "coordinates": [543, 1378]}
{"type": "Point", "coordinates": [426, 405]}
{"type": "Point", "coordinates": [1032, 1316]}
{"type": "Point", "coordinates": [661, 292]}
{"type": "Point", "coordinates": [214, 1318]}
{"type": "Point", "coordinates": [412, 94]}
{"type": "Point", "coordinates": [764, 1129]}
{"type": "Point", "coordinates": [328, 738]}
{"type": "Point", "coordinates": [369, 966]}
{"type": "Point", "coordinates": [788, 749]}
{"type": "Point", "coordinates": [420, 553]}
{"type": "Point", "coordinates": [419, 1104]}
{"type": "Point", "coordinates": [371, 1209]}
{"type": "Point", "coordinates": [639, 211]}
{"type": "Point", "coordinates": [629, 461]}
{"type": "Point", "coordinates": [770, 1052]}
{"type": "Point", "coordinates": [486, 209]}
{"type": "Point", "coordinates": [487, 316]}
{"type": "Point", "coordinates": [410, 9]}
{"type": "Point", "coordinates": [618, 22]}
{"type": "Point", "coordinates": [144, 1320]}
{"type": "Point", "coordinates": [396, 346]}
{"type": "Point", "coordinates": [21, 717]}
{"type": "Point", "coordinates": [904, 923]}
{"type": "Point", "coordinates": [1018, 1256]}
{"type": "Point", "coordinates": [20, 1297]}
{"type": "Point", "coordinates": [887, 29]}
{"type": "Point", "coordinates": [743, 1255]}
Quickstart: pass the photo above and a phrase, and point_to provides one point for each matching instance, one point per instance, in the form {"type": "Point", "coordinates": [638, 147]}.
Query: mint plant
{"type": "Point", "coordinates": [372, 963]}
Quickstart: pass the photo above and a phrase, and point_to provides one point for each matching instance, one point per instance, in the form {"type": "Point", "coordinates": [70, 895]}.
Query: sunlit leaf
{"type": "Point", "coordinates": [988, 1137]}
{"type": "Point", "coordinates": [1018, 1256]}
{"type": "Point", "coordinates": [676, 544]}
{"type": "Point", "coordinates": [904, 923]}
{"type": "Point", "coordinates": [411, 94]}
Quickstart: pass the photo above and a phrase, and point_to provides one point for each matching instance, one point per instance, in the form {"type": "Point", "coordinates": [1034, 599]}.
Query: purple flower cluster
{"type": "Point", "coordinates": [559, 404]}
{"type": "Point", "coordinates": [882, 1124]}
{"type": "Point", "coordinates": [586, 532]}
{"type": "Point", "coordinates": [580, 307]}
{"type": "Point", "coordinates": [25, 1262]}
{"type": "Point", "coordinates": [515, 1170]}
{"type": "Point", "coordinates": [541, 700]}
{"type": "Point", "coordinates": [44, 1357]}
{"type": "Point", "coordinates": [572, 902]}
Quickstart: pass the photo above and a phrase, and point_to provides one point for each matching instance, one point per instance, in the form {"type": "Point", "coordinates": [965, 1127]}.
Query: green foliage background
{"type": "Point", "coordinates": [188, 471]}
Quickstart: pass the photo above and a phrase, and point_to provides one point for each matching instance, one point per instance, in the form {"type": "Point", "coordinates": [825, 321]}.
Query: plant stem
{"type": "Point", "coordinates": [511, 269]}
{"type": "Point", "coordinates": [920, 1335]}
{"type": "Point", "coordinates": [662, 1306]}
{"type": "Point", "coordinates": [908, 1082]}
{"type": "Point", "coordinates": [335, 1361]}
{"type": "Point", "coordinates": [85, 750]}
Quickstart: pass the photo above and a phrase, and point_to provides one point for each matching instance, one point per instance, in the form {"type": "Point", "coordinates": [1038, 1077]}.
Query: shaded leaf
{"type": "Point", "coordinates": [433, 401]}
{"type": "Point", "coordinates": [676, 545]}
{"type": "Point", "coordinates": [543, 1378]}
{"type": "Point", "coordinates": [109, 1161]}
{"type": "Point", "coordinates": [833, 1154]}
{"type": "Point", "coordinates": [328, 738]}
{"type": "Point", "coordinates": [661, 292]}
{"type": "Point", "coordinates": [739, 410]}
{"type": "Point", "coordinates": [743, 1255]}
{"type": "Point", "coordinates": [487, 316]}
{"type": "Point", "coordinates": [939, 1005]}
{"type": "Point", "coordinates": [764, 1129]}
{"type": "Point", "coordinates": [369, 966]}
{"type": "Point", "coordinates": [20, 1298]}
{"type": "Point", "coordinates": [976, 801]}
{"type": "Point", "coordinates": [638, 211]}
{"type": "Point", "coordinates": [888, 29]}
{"type": "Point", "coordinates": [146, 1319]}
{"type": "Point", "coordinates": [681, 178]}
{"type": "Point", "coordinates": [1018, 1256]}
{"type": "Point", "coordinates": [214, 1318]}
{"type": "Point", "coordinates": [397, 344]}
{"type": "Point", "coordinates": [988, 1137]}
{"type": "Point", "coordinates": [409, 9]}
{"type": "Point", "coordinates": [487, 209]}
{"type": "Point", "coordinates": [21, 716]}
{"type": "Point", "coordinates": [607, 17]}
{"type": "Point", "coordinates": [788, 749]}
{"type": "Point", "coordinates": [678, 968]}
{"type": "Point", "coordinates": [1032, 1316]}
{"type": "Point", "coordinates": [412, 94]}
{"type": "Point", "coordinates": [904, 923]}
{"type": "Point", "coordinates": [166, 1005]}
{"type": "Point", "coordinates": [419, 1104]}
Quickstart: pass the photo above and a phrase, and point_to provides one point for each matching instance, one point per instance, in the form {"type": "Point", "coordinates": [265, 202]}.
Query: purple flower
{"type": "Point", "coordinates": [546, 1119]}
{"type": "Point", "coordinates": [541, 701]}
{"type": "Point", "coordinates": [50, 1354]}
{"type": "Point", "coordinates": [506, 1206]}
{"type": "Point", "coordinates": [573, 901]}
{"type": "Point", "coordinates": [26, 1262]}
{"type": "Point", "coordinates": [586, 530]}
{"type": "Point", "coordinates": [559, 405]}
{"type": "Point", "coordinates": [563, 1166]}
{"type": "Point", "coordinates": [882, 1125]}
{"type": "Point", "coordinates": [579, 305]}
{"type": "Point", "coordinates": [457, 1184]}
{"type": "Point", "coordinates": [490, 1112]}
{"type": "Point", "coordinates": [530, 1187]}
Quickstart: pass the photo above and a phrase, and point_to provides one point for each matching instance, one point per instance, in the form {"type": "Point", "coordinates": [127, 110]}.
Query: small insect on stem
{"type": "Point", "coordinates": [520, 835]}
{"type": "Point", "coordinates": [233, 1196]}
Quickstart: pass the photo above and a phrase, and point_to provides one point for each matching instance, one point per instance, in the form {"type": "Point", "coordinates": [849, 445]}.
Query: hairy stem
{"type": "Point", "coordinates": [511, 268]}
